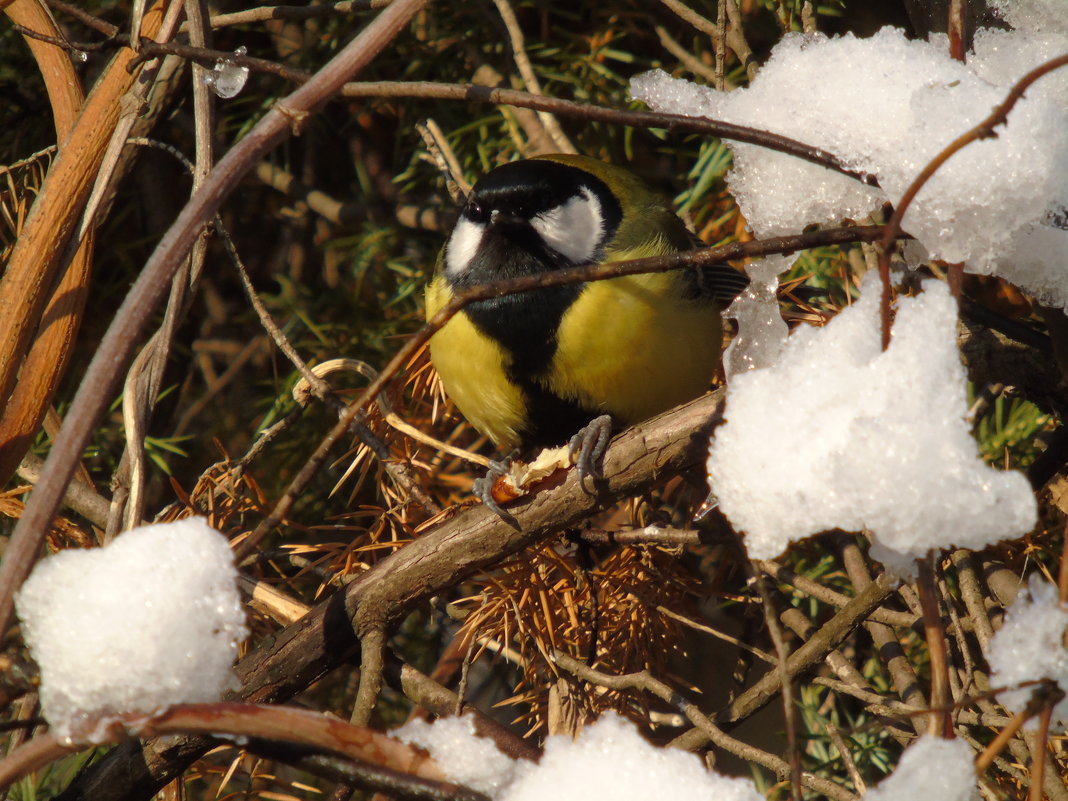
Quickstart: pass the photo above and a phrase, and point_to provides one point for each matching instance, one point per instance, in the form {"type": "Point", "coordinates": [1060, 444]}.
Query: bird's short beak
{"type": "Point", "coordinates": [507, 220]}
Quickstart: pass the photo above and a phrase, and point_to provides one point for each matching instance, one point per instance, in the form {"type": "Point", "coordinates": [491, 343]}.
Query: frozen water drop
{"type": "Point", "coordinates": [228, 78]}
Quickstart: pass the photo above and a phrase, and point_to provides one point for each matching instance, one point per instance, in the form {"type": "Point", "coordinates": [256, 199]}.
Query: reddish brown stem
{"type": "Point", "coordinates": [1038, 767]}
{"type": "Point", "coordinates": [1062, 577]}
{"type": "Point", "coordinates": [941, 722]}
{"type": "Point", "coordinates": [276, 724]}
{"type": "Point", "coordinates": [955, 278]}
{"type": "Point", "coordinates": [31, 756]}
{"type": "Point", "coordinates": [984, 130]}
{"type": "Point", "coordinates": [956, 29]}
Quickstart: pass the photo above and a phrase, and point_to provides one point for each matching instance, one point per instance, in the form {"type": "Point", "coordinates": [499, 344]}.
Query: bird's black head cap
{"type": "Point", "coordinates": [525, 189]}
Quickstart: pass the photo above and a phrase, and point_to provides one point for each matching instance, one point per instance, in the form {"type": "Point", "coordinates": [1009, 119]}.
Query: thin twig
{"type": "Point", "coordinates": [297, 13]}
{"type": "Point", "coordinates": [687, 14]}
{"type": "Point", "coordinates": [44, 152]}
{"type": "Point", "coordinates": [145, 374]}
{"type": "Point", "coordinates": [966, 671]}
{"type": "Point", "coordinates": [317, 200]}
{"type": "Point", "coordinates": [234, 366]}
{"type": "Point", "coordinates": [208, 57]}
{"type": "Point", "coordinates": [87, 19]}
{"type": "Point", "coordinates": [74, 48]}
{"type": "Point", "coordinates": [399, 470]}
{"type": "Point", "coordinates": [828, 637]}
{"type": "Point", "coordinates": [522, 61]}
{"type": "Point", "coordinates": [719, 635]}
{"type": "Point", "coordinates": [771, 619]}
{"type": "Point", "coordinates": [877, 704]}
{"type": "Point", "coordinates": [1040, 697]}
{"type": "Point", "coordinates": [512, 97]}
{"type": "Point", "coordinates": [141, 390]}
{"type": "Point", "coordinates": [828, 596]}
{"type": "Point", "coordinates": [30, 756]}
{"type": "Point", "coordinates": [1038, 766]}
{"type": "Point", "coordinates": [659, 535]}
{"type": "Point", "coordinates": [1062, 573]}
{"type": "Point", "coordinates": [940, 723]}
{"type": "Point", "coordinates": [273, 723]}
{"type": "Point", "coordinates": [847, 674]}
{"type": "Point", "coordinates": [847, 757]}
{"type": "Point", "coordinates": [736, 39]}
{"type": "Point", "coordinates": [445, 159]}
{"type": "Point", "coordinates": [429, 694]}
{"type": "Point", "coordinates": [677, 123]}
{"type": "Point", "coordinates": [890, 708]}
{"type": "Point", "coordinates": [685, 57]}
{"type": "Point", "coordinates": [82, 499]}
{"type": "Point", "coordinates": [887, 643]}
{"type": "Point", "coordinates": [1052, 784]}
{"type": "Point", "coordinates": [720, 42]}
{"type": "Point", "coordinates": [355, 775]}
{"type": "Point", "coordinates": [644, 681]}
{"type": "Point", "coordinates": [972, 595]}
{"type": "Point", "coordinates": [956, 29]}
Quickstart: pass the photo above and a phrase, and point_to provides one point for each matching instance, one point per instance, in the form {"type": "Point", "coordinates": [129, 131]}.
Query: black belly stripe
{"type": "Point", "coordinates": [526, 327]}
{"type": "Point", "coordinates": [525, 324]}
{"type": "Point", "coordinates": [552, 420]}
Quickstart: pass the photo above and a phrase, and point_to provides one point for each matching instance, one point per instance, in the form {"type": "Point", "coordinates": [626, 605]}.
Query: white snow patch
{"type": "Point", "coordinates": [840, 434]}
{"type": "Point", "coordinates": [930, 768]}
{"type": "Point", "coordinates": [466, 758]}
{"type": "Point", "coordinates": [609, 761]}
{"type": "Point", "coordinates": [1033, 15]}
{"type": "Point", "coordinates": [125, 631]}
{"type": "Point", "coordinates": [886, 106]}
{"type": "Point", "coordinates": [1031, 646]}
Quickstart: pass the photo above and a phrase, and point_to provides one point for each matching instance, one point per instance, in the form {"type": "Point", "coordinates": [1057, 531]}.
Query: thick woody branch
{"type": "Point", "coordinates": [474, 539]}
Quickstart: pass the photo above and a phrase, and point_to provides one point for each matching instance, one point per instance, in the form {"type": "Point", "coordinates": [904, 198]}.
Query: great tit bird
{"type": "Point", "coordinates": [529, 370]}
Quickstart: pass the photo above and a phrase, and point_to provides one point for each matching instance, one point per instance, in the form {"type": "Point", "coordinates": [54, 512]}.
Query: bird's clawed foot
{"type": "Point", "coordinates": [483, 489]}
{"type": "Point", "coordinates": [588, 447]}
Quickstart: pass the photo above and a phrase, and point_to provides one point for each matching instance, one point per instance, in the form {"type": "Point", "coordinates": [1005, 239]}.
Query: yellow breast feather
{"type": "Point", "coordinates": [671, 344]}
{"type": "Point", "coordinates": [472, 367]}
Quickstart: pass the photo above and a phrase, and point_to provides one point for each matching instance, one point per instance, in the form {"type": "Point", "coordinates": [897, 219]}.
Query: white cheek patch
{"type": "Point", "coordinates": [463, 245]}
{"type": "Point", "coordinates": [574, 228]}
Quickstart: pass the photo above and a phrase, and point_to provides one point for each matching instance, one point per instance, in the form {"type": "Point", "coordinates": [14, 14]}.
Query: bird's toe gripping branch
{"type": "Point", "coordinates": [483, 489]}
{"type": "Point", "coordinates": [588, 447]}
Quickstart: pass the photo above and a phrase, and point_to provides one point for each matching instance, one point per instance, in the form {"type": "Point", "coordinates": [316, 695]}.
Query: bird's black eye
{"type": "Point", "coordinates": [476, 212]}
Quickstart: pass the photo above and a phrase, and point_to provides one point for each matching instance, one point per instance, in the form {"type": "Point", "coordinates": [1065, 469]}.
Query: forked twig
{"type": "Point", "coordinates": [984, 130]}
{"type": "Point", "coordinates": [644, 681]}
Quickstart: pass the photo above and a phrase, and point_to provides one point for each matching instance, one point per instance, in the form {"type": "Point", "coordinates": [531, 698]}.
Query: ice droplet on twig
{"type": "Point", "coordinates": [228, 78]}
{"type": "Point", "coordinates": [761, 329]}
